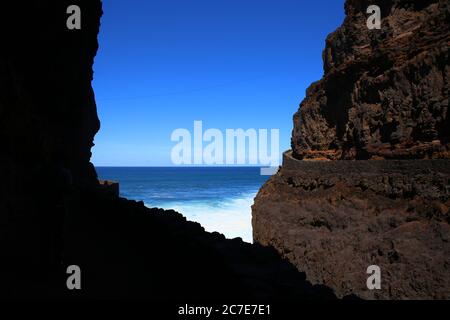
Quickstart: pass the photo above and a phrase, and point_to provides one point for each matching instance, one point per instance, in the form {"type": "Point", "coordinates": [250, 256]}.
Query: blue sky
{"type": "Point", "coordinates": [229, 63]}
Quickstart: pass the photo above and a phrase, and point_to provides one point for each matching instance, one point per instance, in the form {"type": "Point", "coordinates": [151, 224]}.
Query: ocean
{"type": "Point", "coordinates": [219, 198]}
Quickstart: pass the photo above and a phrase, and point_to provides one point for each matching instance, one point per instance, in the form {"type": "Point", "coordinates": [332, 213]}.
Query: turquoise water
{"type": "Point", "coordinates": [218, 198]}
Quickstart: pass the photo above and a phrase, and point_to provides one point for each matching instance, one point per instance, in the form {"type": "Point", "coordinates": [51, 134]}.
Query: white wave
{"type": "Point", "coordinates": [232, 217]}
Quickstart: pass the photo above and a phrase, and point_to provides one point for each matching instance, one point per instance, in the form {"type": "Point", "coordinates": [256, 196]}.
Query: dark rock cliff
{"type": "Point", "coordinates": [384, 97]}
{"type": "Point", "coordinates": [48, 121]}
{"type": "Point", "coordinates": [53, 211]}
{"type": "Point", "coordinates": [385, 92]}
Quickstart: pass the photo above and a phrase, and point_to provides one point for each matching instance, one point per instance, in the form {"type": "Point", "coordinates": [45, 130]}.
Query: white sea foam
{"type": "Point", "coordinates": [231, 217]}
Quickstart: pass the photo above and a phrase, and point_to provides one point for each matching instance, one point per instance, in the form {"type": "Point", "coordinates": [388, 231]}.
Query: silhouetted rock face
{"type": "Point", "coordinates": [53, 211]}
{"type": "Point", "coordinates": [385, 93]}
{"type": "Point", "coordinates": [47, 105]}
{"type": "Point", "coordinates": [384, 96]}
{"type": "Point", "coordinates": [48, 121]}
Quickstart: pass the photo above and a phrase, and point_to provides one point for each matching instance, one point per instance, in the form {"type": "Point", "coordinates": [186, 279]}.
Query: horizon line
{"type": "Point", "coordinates": [198, 166]}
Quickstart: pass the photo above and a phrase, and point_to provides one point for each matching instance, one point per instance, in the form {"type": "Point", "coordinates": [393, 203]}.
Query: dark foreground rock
{"type": "Point", "coordinates": [384, 97]}
{"type": "Point", "coordinates": [53, 211]}
{"type": "Point", "coordinates": [128, 251]}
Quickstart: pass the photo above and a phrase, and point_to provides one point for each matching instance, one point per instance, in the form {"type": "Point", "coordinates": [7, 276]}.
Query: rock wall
{"type": "Point", "coordinates": [383, 101]}
{"type": "Point", "coordinates": [48, 120]}
{"type": "Point", "coordinates": [335, 219]}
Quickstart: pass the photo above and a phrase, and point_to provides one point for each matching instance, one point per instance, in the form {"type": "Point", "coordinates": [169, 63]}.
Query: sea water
{"type": "Point", "coordinates": [219, 198]}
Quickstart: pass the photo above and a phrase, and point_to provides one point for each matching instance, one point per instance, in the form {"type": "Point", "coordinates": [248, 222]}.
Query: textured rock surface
{"type": "Point", "coordinates": [53, 211]}
{"type": "Point", "coordinates": [385, 93]}
{"type": "Point", "coordinates": [384, 97]}
{"type": "Point", "coordinates": [334, 219]}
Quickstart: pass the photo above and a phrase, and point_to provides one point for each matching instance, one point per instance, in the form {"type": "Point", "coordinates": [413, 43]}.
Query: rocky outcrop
{"type": "Point", "coordinates": [53, 211]}
{"type": "Point", "coordinates": [383, 101]}
{"type": "Point", "coordinates": [335, 219]}
{"type": "Point", "coordinates": [385, 93]}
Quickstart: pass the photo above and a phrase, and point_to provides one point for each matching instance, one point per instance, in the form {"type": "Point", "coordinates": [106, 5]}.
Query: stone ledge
{"type": "Point", "coordinates": [364, 166]}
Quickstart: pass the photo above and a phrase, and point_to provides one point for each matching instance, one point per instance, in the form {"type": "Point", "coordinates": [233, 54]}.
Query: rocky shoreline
{"type": "Point", "coordinates": [385, 91]}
